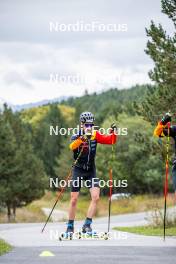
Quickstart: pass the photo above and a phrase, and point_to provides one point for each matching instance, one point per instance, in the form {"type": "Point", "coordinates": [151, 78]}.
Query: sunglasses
{"type": "Point", "coordinates": [88, 125]}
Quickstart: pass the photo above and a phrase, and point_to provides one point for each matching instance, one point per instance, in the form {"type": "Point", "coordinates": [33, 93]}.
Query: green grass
{"type": "Point", "coordinates": [4, 247]}
{"type": "Point", "coordinates": [148, 230]}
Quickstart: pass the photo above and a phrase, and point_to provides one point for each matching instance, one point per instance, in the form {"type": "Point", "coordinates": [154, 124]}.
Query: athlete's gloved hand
{"type": "Point", "coordinates": [113, 127]}
{"type": "Point", "coordinates": [166, 118]}
{"type": "Point", "coordinates": [84, 138]}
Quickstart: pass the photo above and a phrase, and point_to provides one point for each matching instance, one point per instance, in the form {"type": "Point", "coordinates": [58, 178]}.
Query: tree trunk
{"type": "Point", "coordinates": [14, 212]}
{"type": "Point", "coordinates": [8, 212]}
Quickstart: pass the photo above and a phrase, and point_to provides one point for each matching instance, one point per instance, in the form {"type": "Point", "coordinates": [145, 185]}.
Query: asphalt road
{"type": "Point", "coordinates": [29, 243]}
{"type": "Point", "coordinates": [75, 255]}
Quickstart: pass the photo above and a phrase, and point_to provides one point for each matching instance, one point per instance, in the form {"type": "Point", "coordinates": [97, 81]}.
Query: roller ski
{"type": "Point", "coordinates": [68, 235]}
{"type": "Point", "coordinates": [85, 233]}
{"type": "Point", "coordinates": [79, 235]}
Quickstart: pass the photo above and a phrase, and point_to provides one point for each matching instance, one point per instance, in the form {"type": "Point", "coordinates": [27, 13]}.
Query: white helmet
{"type": "Point", "coordinates": [87, 117]}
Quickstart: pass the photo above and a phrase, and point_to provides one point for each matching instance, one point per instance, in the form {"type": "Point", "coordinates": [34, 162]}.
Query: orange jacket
{"type": "Point", "coordinates": [159, 130]}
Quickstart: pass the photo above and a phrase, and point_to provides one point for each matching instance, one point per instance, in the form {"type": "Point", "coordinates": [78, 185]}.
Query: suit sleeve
{"type": "Point", "coordinates": [106, 139]}
{"type": "Point", "coordinates": [76, 142]}
{"type": "Point", "coordinates": [161, 131]}
{"type": "Point", "coordinates": [158, 132]}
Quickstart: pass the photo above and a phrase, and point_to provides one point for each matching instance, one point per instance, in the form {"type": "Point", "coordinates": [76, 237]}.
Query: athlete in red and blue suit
{"type": "Point", "coordinates": [84, 146]}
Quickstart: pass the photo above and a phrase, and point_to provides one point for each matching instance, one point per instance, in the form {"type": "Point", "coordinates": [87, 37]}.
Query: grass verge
{"type": "Point", "coordinates": [137, 203]}
{"type": "Point", "coordinates": [148, 230]}
{"type": "Point", "coordinates": [4, 247]}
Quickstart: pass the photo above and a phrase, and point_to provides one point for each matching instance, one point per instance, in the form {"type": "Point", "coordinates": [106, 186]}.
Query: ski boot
{"type": "Point", "coordinates": [87, 229]}
{"type": "Point", "coordinates": [69, 232]}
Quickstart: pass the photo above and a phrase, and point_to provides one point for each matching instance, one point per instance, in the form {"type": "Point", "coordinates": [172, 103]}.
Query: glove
{"type": "Point", "coordinates": [84, 138]}
{"type": "Point", "coordinates": [113, 127]}
{"type": "Point", "coordinates": [166, 118]}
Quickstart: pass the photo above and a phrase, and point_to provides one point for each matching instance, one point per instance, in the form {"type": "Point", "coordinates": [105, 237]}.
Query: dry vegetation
{"type": "Point", "coordinates": [139, 203]}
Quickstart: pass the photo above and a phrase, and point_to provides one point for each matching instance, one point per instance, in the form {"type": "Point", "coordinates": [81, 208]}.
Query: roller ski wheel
{"type": "Point", "coordinates": [105, 236]}
{"type": "Point", "coordinates": [66, 236]}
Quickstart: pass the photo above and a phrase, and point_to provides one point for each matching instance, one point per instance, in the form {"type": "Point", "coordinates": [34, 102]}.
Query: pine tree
{"type": "Point", "coordinates": [22, 176]}
{"type": "Point", "coordinates": [162, 49]}
{"type": "Point", "coordinates": [8, 168]}
{"type": "Point", "coordinates": [48, 146]}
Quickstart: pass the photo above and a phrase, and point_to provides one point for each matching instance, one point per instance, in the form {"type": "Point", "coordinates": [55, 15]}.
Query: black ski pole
{"type": "Point", "coordinates": [61, 192]}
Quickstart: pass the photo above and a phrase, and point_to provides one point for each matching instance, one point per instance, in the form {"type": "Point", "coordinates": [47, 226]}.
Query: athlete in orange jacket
{"type": "Point", "coordinates": [84, 146]}
{"type": "Point", "coordinates": [162, 130]}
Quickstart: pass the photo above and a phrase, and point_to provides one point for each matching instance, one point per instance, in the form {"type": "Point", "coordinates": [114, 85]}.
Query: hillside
{"type": "Point", "coordinates": [111, 102]}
